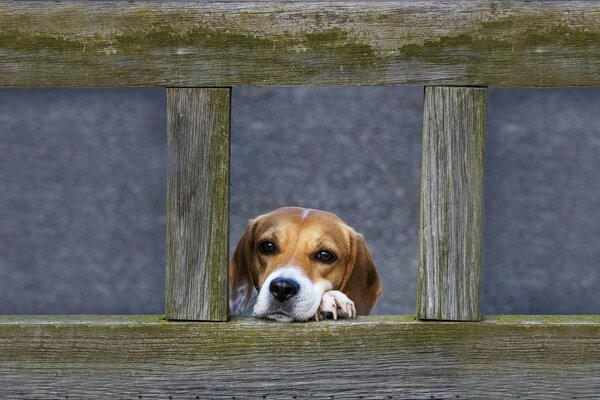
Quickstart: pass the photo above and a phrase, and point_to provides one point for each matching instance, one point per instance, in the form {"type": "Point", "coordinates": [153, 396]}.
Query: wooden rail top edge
{"type": "Point", "coordinates": [154, 320]}
{"type": "Point", "coordinates": [263, 43]}
{"type": "Point", "coordinates": [132, 357]}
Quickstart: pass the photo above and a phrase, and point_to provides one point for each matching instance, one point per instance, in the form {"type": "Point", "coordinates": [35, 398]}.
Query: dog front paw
{"type": "Point", "coordinates": [335, 304]}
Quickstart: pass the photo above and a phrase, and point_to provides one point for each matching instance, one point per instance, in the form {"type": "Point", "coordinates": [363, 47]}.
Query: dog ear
{"type": "Point", "coordinates": [361, 282]}
{"type": "Point", "coordinates": [241, 282]}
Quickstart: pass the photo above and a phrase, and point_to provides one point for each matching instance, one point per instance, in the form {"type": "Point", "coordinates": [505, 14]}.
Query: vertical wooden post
{"type": "Point", "coordinates": [451, 222]}
{"type": "Point", "coordinates": [197, 204]}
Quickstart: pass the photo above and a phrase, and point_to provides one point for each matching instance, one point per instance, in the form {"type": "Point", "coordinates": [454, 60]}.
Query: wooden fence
{"type": "Point", "coordinates": [199, 50]}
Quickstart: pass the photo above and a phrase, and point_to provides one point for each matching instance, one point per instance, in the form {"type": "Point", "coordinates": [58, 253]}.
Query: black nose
{"type": "Point", "coordinates": [284, 289]}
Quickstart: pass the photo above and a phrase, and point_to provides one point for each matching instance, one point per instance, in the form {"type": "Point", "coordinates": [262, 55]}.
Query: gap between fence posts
{"type": "Point", "coordinates": [451, 221]}
{"type": "Point", "coordinates": [198, 122]}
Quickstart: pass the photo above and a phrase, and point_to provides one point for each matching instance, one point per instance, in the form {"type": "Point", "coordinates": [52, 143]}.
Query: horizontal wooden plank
{"type": "Point", "coordinates": [146, 357]}
{"type": "Point", "coordinates": [226, 43]}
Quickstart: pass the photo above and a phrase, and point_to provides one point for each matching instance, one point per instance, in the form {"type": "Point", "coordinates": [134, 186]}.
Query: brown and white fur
{"type": "Point", "coordinates": [304, 264]}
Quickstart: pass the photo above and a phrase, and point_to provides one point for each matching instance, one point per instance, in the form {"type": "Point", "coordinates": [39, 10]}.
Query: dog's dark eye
{"type": "Point", "coordinates": [325, 256]}
{"type": "Point", "coordinates": [267, 247]}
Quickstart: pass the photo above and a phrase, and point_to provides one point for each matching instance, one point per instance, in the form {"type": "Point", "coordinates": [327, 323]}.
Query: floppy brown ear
{"type": "Point", "coordinates": [362, 284]}
{"type": "Point", "coordinates": [241, 282]}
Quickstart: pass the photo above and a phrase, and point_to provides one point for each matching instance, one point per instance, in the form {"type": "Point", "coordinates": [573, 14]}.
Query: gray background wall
{"type": "Point", "coordinates": [82, 180]}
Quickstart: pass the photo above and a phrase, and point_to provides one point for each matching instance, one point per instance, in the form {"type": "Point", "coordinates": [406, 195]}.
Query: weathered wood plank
{"type": "Point", "coordinates": [198, 122]}
{"type": "Point", "coordinates": [146, 357]}
{"type": "Point", "coordinates": [451, 223]}
{"type": "Point", "coordinates": [225, 43]}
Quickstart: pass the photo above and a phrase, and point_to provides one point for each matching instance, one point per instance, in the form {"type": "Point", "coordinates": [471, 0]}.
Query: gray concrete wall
{"type": "Point", "coordinates": [82, 180]}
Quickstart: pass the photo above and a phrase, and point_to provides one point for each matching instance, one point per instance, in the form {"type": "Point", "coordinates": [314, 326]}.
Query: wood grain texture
{"type": "Point", "coordinates": [508, 357]}
{"type": "Point", "coordinates": [226, 43]}
{"type": "Point", "coordinates": [451, 222]}
{"type": "Point", "coordinates": [198, 122]}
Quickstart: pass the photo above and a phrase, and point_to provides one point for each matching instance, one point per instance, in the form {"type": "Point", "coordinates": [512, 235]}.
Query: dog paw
{"type": "Point", "coordinates": [335, 304]}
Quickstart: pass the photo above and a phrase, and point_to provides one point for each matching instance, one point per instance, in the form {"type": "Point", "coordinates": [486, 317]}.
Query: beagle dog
{"type": "Point", "coordinates": [304, 264]}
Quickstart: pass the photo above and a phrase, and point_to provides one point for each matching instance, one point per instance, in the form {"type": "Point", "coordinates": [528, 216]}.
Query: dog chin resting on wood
{"type": "Point", "coordinates": [299, 264]}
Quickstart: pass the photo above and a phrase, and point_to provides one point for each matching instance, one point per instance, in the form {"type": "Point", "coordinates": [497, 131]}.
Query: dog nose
{"type": "Point", "coordinates": [283, 289]}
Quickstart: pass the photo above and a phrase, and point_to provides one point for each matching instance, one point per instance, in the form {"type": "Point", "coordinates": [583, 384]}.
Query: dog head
{"type": "Point", "coordinates": [292, 256]}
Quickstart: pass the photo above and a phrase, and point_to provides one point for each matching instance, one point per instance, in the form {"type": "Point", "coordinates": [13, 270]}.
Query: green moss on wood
{"type": "Point", "coordinates": [284, 43]}
{"type": "Point", "coordinates": [544, 319]}
{"type": "Point", "coordinates": [125, 357]}
{"type": "Point", "coordinates": [146, 34]}
{"type": "Point", "coordinates": [509, 38]}
{"type": "Point", "coordinates": [249, 343]}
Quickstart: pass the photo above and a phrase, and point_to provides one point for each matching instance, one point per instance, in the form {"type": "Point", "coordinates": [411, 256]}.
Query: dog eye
{"type": "Point", "coordinates": [325, 256]}
{"type": "Point", "coordinates": [267, 247]}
